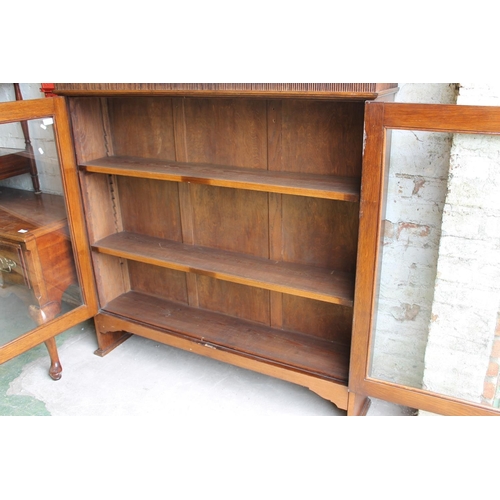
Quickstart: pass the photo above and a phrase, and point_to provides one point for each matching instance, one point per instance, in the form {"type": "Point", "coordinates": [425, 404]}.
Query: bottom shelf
{"type": "Point", "coordinates": [290, 350]}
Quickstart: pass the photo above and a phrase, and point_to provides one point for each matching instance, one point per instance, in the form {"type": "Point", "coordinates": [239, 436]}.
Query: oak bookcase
{"type": "Point", "coordinates": [223, 219]}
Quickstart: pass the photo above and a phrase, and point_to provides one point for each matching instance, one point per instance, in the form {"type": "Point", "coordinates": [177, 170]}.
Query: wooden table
{"type": "Point", "coordinates": [36, 259]}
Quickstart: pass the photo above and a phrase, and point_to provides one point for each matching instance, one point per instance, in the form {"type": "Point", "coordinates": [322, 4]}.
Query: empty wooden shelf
{"type": "Point", "coordinates": [319, 357]}
{"type": "Point", "coordinates": [318, 186]}
{"type": "Point", "coordinates": [304, 281]}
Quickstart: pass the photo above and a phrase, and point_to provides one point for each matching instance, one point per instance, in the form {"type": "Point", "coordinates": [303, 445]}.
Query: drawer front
{"type": "Point", "coordinates": [13, 269]}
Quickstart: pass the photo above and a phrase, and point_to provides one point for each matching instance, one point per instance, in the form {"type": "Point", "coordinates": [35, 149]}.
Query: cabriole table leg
{"type": "Point", "coordinates": [55, 370]}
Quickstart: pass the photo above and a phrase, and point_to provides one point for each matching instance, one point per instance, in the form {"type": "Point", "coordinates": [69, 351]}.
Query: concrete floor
{"type": "Point", "coordinates": [144, 378]}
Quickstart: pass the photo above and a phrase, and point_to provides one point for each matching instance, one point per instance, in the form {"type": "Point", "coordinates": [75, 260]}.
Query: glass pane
{"type": "Point", "coordinates": [38, 279]}
{"type": "Point", "coordinates": [438, 295]}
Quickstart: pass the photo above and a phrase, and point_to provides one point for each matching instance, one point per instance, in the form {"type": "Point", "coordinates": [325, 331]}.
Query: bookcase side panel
{"type": "Point", "coordinates": [87, 121]}
{"type": "Point", "coordinates": [91, 140]}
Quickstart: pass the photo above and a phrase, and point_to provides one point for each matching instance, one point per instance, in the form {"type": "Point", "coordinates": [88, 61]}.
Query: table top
{"type": "Point", "coordinates": [25, 215]}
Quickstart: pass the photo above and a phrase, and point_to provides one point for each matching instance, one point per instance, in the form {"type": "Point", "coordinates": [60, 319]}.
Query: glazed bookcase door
{"type": "Point", "coordinates": [44, 257]}
{"type": "Point", "coordinates": [429, 334]}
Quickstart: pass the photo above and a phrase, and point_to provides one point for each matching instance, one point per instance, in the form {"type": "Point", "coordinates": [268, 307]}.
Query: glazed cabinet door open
{"type": "Point", "coordinates": [46, 283]}
{"type": "Point", "coordinates": [426, 331]}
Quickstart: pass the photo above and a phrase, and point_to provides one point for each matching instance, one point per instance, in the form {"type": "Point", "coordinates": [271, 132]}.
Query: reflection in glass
{"type": "Point", "coordinates": [38, 279]}
{"type": "Point", "coordinates": [438, 295]}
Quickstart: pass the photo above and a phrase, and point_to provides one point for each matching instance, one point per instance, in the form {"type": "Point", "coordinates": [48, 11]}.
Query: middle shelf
{"type": "Point", "coordinates": [312, 282]}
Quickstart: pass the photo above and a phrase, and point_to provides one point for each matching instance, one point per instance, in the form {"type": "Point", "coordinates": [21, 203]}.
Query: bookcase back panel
{"type": "Point", "coordinates": [233, 299]}
{"type": "Point", "coordinates": [226, 132]}
{"type": "Point", "coordinates": [158, 281]}
{"type": "Point", "coordinates": [150, 207]}
{"type": "Point", "coordinates": [142, 127]}
{"type": "Point", "coordinates": [230, 219]}
{"type": "Point", "coordinates": [318, 319]}
{"type": "Point", "coordinates": [322, 137]}
{"type": "Point", "coordinates": [319, 232]}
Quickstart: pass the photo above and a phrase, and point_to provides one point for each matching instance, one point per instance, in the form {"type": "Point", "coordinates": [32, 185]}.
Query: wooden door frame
{"type": "Point", "coordinates": [380, 119]}
{"type": "Point", "coordinates": [56, 108]}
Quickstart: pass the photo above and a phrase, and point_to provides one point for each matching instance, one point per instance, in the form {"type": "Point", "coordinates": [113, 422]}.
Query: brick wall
{"type": "Point", "coordinates": [467, 288]}
{"type": "Point", "coordinates": [463, 347]}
